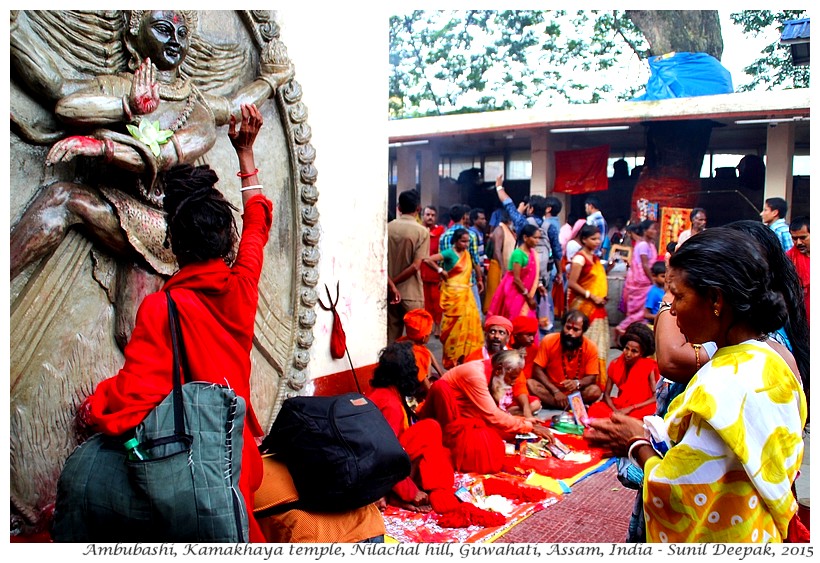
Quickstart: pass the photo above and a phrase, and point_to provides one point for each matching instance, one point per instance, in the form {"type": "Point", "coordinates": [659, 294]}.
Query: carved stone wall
{"type": "Point", "coordinates": [62, 313]}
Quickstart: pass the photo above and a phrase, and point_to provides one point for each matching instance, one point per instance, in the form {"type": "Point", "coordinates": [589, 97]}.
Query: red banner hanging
{"type": "Point", "coordinates": [581, 171]}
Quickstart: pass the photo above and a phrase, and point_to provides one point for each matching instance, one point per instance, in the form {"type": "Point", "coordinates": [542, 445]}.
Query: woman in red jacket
{"type": "Point", "coordinates": [215, 290]}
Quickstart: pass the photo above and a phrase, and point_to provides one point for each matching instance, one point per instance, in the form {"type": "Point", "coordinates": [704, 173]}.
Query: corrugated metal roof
{"type": "Point", "coordinates": [796, 31]}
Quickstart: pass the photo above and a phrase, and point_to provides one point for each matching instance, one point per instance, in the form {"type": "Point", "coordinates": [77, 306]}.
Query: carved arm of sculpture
{"type": "Point", "coordinates": [102, 104]}
{"type": "Point", "coordinates": [275, 70]}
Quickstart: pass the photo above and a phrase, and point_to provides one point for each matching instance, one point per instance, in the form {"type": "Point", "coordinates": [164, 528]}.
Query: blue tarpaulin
{"type": "Point", "coordinates": [683, 75]}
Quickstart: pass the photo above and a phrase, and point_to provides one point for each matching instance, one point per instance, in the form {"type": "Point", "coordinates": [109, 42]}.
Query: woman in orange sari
{"type": "Point", "coordinates": [461, 331]}
{"type": "Point", "coordinates": [588, 293]}
{"type": "Point", "coordinates": [515, 297]}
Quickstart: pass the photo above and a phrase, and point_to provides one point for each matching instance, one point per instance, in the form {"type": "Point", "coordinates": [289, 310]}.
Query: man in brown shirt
{"type": "Point", "coordinates": [408, 243]}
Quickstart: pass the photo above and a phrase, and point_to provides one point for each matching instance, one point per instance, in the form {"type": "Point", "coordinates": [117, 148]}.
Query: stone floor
{"type": "Point", "coordinates": [596, 511]}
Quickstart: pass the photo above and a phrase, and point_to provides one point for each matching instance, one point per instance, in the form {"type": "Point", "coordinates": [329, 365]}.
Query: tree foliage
{"type": "Point", "coordinates": [478, 60]}
{"type": "Point", "coordinates": [774, 68]}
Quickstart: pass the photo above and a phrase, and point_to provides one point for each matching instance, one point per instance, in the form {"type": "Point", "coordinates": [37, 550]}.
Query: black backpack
{"type": "Point", "coordinates": [340, 452]}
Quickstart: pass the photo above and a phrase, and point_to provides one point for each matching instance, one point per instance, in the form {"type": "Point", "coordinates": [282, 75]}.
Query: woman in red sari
{"type": "Point", "coordinates": [216, 294]}
{"type": "Point", "coordinates": [515, 296]}
{"type": "Point", "coordinates": [635, 374]}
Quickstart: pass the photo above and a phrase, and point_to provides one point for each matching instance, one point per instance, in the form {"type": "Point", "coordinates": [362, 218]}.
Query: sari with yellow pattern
{"type": "Point", "coordinates": [737, 445]}
{"type": "Point", "coordinates": [461, 331]}
{"type": "Point", "coordinates": [593, 278]}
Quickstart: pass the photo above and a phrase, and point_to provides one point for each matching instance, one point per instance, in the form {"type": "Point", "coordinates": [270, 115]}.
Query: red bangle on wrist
{"type": "Point", "coordinates": [247, 174]}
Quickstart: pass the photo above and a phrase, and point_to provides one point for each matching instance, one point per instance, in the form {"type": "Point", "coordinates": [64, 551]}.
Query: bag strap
{"type": "Point", "coordinates": [180, 357]}
{"type": "Point", "coordinates": [278, 509]}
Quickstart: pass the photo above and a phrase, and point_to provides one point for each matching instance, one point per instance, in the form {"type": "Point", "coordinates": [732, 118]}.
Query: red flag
{"type": "Point", "coordinates": [581, 171]}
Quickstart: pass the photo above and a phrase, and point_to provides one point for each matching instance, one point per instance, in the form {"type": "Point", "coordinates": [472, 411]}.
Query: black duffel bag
{"type": "Point", "coordinates": [340, 451]}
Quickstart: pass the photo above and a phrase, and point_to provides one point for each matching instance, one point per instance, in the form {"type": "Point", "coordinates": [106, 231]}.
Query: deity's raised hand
{"type": "Point", "coordinates": [144, 96]}
{"type": "Point", "coordinates": [275, 66]}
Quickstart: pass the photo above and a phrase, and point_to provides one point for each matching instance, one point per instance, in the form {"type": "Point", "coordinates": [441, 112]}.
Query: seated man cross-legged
{"type": "Point", "coordinates": [566, 362]}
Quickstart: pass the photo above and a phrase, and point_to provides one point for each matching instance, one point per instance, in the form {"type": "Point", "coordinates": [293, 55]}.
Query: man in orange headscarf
{"type": "Point", "coordinates": [418, 325]}
{"type": "Point", "coordinates": [524, 330]}
{"type": "Point", "coordinates": [515, 398]}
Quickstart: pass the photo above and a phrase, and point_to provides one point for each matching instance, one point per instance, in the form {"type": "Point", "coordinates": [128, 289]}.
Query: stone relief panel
{"type": "Point", "coordinates": [87, 231]}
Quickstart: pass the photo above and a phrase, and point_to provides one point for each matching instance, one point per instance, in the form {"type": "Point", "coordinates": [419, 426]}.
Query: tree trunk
{"type": "Point", "coordinates": [674, 156]}
{"type": "Point", "coordinates": [688, 31]}
{"type": "Point", "coordinates": [675, 149]}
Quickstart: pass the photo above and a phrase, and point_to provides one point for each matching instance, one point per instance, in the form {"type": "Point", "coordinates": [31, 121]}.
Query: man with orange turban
{"type": "Point", "coordinates": [514, 399]}
{"type": "Point", "coordinates": [497, 330]}
{"type": "Point", "coordinates": [418, 325]}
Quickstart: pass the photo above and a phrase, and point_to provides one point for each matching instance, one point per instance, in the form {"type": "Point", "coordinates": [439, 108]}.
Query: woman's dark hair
{"type": "Point", "coordinates": [201, 224]}
{"type": "Point", "coordinates": [527, 230]}
{"type": "Point", "coordinates": [646, 223]}
{"type": "Point", "coordinates": [457, 234]}
{"type": "Point", "coordinates": [728, 261]}
{"type": "Point", "coordinates": [641, 334]}
{"type": "Point", "coordinates": [785, 280]}
{"type": "Point", "coordinates": [638, 228]}
{"type": "Point", "coordinates": [397, 368]}
{"type": "Point", "coordinates": [587, 231]}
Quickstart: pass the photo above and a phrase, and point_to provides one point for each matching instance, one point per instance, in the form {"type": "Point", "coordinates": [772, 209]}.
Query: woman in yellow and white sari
{"type": "Point", "coordinates": [461, 330]}
{"type": "Point", "coordinates": [734, 435]}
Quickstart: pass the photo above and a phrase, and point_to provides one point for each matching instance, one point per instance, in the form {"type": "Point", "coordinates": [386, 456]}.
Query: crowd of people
{"type": "Point", "coordinates": [728, 366]}
{"type": "Point", "coordinates": [704, 405]}
{"type": "Point", "coordinates": [714, 354]}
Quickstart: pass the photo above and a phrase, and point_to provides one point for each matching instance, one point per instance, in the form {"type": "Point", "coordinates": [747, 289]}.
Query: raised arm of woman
{"type": "Point", "coordinates": [242, 140]}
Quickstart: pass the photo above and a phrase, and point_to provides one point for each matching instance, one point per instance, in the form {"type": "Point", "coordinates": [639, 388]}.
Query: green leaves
{"type": "Point", "coordinates": [447, 61]}
{"type": "Point", "coordinates": [774, 68]}
{"type": "Point", "coordinates": [444, 61]}
{"type": "Point", "coordinates": [150, 134]}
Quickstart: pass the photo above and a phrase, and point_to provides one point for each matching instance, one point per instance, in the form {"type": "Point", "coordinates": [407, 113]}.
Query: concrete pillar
{"type": "Point", "coordinates": [539, 149]}
{"type": "Point", "coordinates": [406, 169]}
{"type": "Point", "coordinates": [779, 159]}
{"type": "Point", "coordinates": [429, 176]}
{"type": "Point", "coordinates": [543, 169]}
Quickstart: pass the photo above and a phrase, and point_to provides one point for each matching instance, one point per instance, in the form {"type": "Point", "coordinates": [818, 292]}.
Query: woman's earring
{"type": "Point", "coordinates": [717, 312]}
